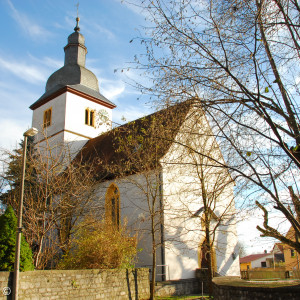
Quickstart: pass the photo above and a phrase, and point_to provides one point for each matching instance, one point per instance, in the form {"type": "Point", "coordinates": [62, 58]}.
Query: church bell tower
{"type": "Point", "coordinates": [72, 110]}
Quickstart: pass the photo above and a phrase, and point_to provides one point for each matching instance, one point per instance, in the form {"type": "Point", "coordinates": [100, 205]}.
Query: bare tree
{"type": "Point", "coordinates": [238, 60]}
{"type": "Point", "coordinates": [55, 199]}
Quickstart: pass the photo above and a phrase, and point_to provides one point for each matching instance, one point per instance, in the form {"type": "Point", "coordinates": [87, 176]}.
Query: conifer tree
{"type": "Point", "coordinates": [8, 225]}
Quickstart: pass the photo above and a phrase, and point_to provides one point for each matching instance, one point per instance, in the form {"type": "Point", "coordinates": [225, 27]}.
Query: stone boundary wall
{"type": "Point", "coordinates": [177, 287]}
{"type": "Point", "coordinates": [80, 284]}
{"type": "Point", "coordinates": [231, 292]}
{"type": "Point", "coordinates": [183, 286]}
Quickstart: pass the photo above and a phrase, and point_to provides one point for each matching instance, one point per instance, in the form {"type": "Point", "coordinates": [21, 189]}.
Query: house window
{"type": "Point", "coordinates": [112, 205]}
{"type": "Point", "coordinates": [292, 253]}
{"type": "Point", "coordinates": [47, 117]}
{"type": "Point", "coordinates": [263, 264]}
{"type": "Point", "coordinates": [89, 117]}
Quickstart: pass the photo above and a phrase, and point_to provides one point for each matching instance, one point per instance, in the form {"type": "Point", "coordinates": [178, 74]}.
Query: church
{"type": "Point", "coordinates": [155, 176]}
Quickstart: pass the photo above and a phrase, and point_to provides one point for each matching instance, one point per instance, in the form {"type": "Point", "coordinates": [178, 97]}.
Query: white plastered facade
{"type": "Point", "coordinates": [68, 131]}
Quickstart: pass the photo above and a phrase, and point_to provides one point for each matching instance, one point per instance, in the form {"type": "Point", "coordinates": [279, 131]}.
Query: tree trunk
{"type": "Point", "coordinates": [36, 260]}
{"type": "Point", "coordinates": [152, 286]}
{"type": "Point", "coordinates": [209, 260]}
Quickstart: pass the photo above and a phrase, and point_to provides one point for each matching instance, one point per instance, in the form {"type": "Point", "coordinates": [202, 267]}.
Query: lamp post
{"type": "Point", "coordinates": [30, 132]}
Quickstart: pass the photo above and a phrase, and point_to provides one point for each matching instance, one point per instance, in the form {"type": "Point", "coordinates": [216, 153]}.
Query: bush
{"type": "Point", "coordinates": [99, 245]}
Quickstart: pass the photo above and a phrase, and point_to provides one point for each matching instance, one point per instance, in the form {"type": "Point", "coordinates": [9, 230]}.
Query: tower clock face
{"type": "Point", "coordinates": [102, 118]}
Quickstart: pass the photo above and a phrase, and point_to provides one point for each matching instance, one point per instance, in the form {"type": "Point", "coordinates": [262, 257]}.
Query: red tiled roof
{"type": "Point", "coordinates": [279, 246]}
{"type": "Point", "coordinates": [252, 257]}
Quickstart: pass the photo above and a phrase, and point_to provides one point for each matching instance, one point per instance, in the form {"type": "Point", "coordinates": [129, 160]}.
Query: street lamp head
{"type": "Point", "coordinates": [31, 132]}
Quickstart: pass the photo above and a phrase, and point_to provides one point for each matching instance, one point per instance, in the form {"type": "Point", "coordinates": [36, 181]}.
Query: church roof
{"type": "Point", "coordinates": [136, 146]}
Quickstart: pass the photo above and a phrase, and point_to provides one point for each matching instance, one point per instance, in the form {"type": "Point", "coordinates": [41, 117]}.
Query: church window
{"type": "Point", "coordinates": [112, 205]}
{"type": "Point", "coordinates": [92, 113]}
{"type": "Point", "coordinates": [47, 117]}
{"type": "Point", "coordinates": [89, 117]}
{"type": "Point", "coordinates": [203, 256]}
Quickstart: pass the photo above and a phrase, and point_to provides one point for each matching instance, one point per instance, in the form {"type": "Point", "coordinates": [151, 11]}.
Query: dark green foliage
{"type": "Point", "coordinates": [12, 177]}
{"type": "Point", "coordinates": [8, 225]}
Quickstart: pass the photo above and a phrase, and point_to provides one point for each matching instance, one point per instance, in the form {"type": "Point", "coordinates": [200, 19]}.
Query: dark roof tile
{"type": "Point", "coordinates": [159, 129]}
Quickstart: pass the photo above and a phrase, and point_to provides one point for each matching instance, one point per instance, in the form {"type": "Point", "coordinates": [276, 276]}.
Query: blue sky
{"type": "Point", "coordinates": [34, 34]}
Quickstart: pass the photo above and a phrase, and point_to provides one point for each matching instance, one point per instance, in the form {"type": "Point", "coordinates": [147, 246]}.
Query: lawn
{"type": "Point", "coordinates": [189, 297]}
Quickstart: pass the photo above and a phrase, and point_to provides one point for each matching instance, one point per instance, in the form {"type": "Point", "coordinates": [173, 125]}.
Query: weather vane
{"type": "Point", "coordinates": [77, 19]}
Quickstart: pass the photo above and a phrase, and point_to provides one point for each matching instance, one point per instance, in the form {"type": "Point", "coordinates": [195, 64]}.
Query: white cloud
{"type": "Point", "coordinates": [112, 89]}
{"type": "Point", "coordinates": [103, 31]}
{"type": "Point", "coordinates": [11, 133]}
{"type": "Point", "coordinates": [29, 73]}
{"type": "Point", "coordinates": [129, 112]}
{"type": "Point", "coordinates": [136, 7]}
{"type": "Point", "coordinates": [28, 25]}
{"type": "Point", "coordinates": [48, 61]}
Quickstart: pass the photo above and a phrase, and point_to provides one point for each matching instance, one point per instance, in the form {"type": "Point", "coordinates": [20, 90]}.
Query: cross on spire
{"type": "Point", "coordinates": [77, 5]}
{"type": "Point", "coordinates": [76, 29]}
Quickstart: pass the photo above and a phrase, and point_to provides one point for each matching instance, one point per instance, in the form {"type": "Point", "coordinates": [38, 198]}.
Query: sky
{"type": "Point", "coordinates": [34, 33]}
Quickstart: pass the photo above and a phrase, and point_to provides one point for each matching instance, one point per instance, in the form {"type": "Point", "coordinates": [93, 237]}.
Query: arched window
{"type": "Point", "coordinates": [203, 256]}
{"type": "Point", "coordinates": [112, 205]}
{"type": "Point", "coordinates": [203, 251]}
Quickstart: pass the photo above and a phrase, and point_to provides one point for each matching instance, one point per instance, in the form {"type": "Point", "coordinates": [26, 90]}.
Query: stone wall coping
{"type": "Point", "coordinates": [235, 283]}
{"type": "Point", "coordinates": [93, 271]}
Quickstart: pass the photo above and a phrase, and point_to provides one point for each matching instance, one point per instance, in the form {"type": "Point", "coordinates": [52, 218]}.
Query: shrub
{"type": "Point", "coordinates": [99, 245]}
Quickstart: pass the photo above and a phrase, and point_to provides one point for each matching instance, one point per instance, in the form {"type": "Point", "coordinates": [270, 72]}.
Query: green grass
{"type": "Point", "coordinates": [189, 297]}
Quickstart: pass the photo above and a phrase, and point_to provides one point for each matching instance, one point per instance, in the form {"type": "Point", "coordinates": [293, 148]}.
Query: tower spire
{"type": "Point", "coordinates": [77, 28]}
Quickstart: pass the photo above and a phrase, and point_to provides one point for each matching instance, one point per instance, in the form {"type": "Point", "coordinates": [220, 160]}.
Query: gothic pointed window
{"type": "Point", "coordinates": [203, 256]}
{"type": "Point", "coordinates": [112, 205]}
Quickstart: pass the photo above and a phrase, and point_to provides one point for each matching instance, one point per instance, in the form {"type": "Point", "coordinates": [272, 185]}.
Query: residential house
{"type": "Point", "coordinates": [262, 260]}
{"type": "Point", "coordinates": [278, 255]}
{"type": "Point", "coordinates": [291, 256]}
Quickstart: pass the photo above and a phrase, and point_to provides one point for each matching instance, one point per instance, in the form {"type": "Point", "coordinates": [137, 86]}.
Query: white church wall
{"type": "Point", "coordinates": [227, 250]}
{"type": "Point", "coordinates": [58, 105]}
{"type": "Point", "coordinates": [68, 131]}
{"type": "Point", "coordinates": [75, 119]}
{"type": "Point", "coordinates": [135, 212]}
{"type": "Point", "coordinates": [183, 197]}
{"type": "Point", "coordinates": [182, 232]}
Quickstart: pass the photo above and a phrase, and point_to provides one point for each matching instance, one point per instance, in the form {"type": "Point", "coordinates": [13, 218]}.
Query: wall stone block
{"type": "Point", "coordinates": [80, 284]}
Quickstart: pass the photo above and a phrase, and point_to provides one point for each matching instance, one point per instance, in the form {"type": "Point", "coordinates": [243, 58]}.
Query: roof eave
{"type": "Point", "coordinates": [69, 89]}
